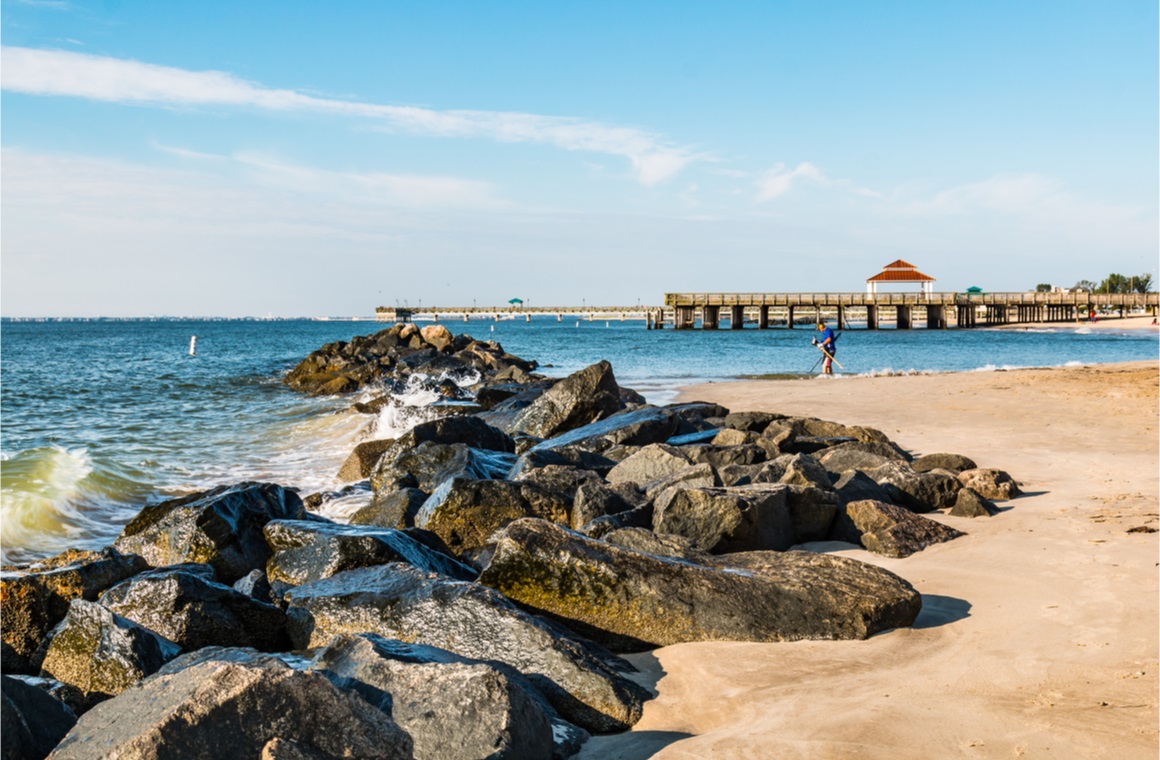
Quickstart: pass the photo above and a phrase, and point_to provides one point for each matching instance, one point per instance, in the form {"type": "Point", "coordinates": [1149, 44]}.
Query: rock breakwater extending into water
{"type": "Point", "coordinates": [513, 545]}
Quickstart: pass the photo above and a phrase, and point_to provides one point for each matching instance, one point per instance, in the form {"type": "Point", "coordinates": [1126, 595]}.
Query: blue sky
{"type": "Point", "coordinates": [322, 159]}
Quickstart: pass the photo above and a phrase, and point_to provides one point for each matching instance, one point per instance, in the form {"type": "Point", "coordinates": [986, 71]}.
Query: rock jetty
{"type": "Point", "coordinates": [515, 543]}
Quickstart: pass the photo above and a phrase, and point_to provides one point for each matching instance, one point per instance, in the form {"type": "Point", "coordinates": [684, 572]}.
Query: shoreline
{"type": "Point", "coordinates": [1039, 632]}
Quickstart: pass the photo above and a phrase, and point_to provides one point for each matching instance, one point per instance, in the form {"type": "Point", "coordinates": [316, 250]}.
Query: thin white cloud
{"type": "Point", "coordinates": [70, 74]}
{"type": "Point", "coordinates": [778, 181]}
{"type": "Point", "coordinates": [1004, 194]}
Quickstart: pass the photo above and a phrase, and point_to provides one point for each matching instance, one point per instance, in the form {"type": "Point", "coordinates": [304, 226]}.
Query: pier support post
{"type": "Point", "coordinates": [736, 317]}
{"type": "Point", "coordinates": [871, 316]}
{"type": "Point", "coordinates": [936, 318]}
{"type": "Point", "coordinates": [710, 317]}
{"type": "Point", "coordinates": [683, 317]}
{"type": "Point", "coordinates": [789, 316]}
{"type": "Point", "coordinates": [841, 317]}
{"type": "Point", "coordinates": [762, 317]}
{"type": "Point", "coordinates": [902, 318]}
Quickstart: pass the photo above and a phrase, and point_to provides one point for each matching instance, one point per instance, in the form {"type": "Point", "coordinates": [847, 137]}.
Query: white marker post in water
{"type": "Point", "coordinates": [193, 345]}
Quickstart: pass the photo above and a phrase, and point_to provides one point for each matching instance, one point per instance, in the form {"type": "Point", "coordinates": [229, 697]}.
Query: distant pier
{"type": "Point", "coordinates": [903, 311]}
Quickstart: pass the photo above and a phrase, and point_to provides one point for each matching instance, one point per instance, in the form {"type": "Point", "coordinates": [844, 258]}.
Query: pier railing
{"type": "Point", "coordinates": [917, 299]}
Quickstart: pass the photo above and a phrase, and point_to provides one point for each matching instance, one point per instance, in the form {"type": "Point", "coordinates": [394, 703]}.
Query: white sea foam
{"type": "Point", "coordinates": [42, 491]}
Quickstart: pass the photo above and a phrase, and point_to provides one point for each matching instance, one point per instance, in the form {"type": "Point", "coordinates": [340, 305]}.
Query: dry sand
{"type": "Point", "coordinates": [1039, 630]}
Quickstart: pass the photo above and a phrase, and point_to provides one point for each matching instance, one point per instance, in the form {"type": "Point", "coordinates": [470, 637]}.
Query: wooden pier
{"type": "Point", "coordinates": [903, 310]}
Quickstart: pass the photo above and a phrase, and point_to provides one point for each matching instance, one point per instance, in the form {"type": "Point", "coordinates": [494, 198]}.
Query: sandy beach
{"type": "Point", "coordinates": [1039, 631]}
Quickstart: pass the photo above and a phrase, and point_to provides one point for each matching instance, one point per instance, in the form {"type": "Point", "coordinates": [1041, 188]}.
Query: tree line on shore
{"type": "Point", "coordinates": [1113, 283]}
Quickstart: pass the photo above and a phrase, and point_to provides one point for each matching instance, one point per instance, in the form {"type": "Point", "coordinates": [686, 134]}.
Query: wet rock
{"type": "Point", "coordinates": [256, 585]}
{"type": "Point", "coordinates": [990, 483]}
{"type": "Point", "coordinates": [396, 509]}
{"type": "Point", "coordinates": [35, 599]}
{"type": "Point", "coordinates": [465, 512]}
{"type": "Point", "coordinates": [453, 708]}
{"type": "Point", "coordinates": [656, 601]}
{"type": "Point", "coordinates": [579, 399]}
{"type": "Point", "coordinates": [212, 706]}
{"type": "Point", "coordinates": [221, 527]}
{"type": "Point", "coordinates": [102, 654]}
{"type": "Point", "coordinates": [969, 503]}
{"type": "Point", "coordinates": [638, 427]}
{"type": "Point", "coordinates": [566, 456]}
{"type": "Point", "coordinates": [32, 721]}
{"type": "Point", "coordinates": [194, 612]}
{"type": "Point", "coordinates": [722, 520]}
{"type": "Point", "coordinates": [562, 479]}
{"type": "Point", "coordinates": [956, 463]}
{"type": "Point", "coordinates": [309, 551]}
{"type": "Point", "coordinates": [585, 684]}
{"type": "Point", "coordinates": [362, 460]}
{"type": "Point", "coordinates": [428, 464]}
{"type": "Point", "coordinates": [893, 531]}
{"type": "Point", "coordinates": [468, 430]}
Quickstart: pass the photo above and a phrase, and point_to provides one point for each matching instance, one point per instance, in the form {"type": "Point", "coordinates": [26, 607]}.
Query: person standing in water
{"type": "Point", "coordinates": [829, 345]}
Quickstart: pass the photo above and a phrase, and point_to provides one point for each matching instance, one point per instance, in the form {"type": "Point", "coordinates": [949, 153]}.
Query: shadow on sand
{"type": "Point", "coordinates": [939, 610]}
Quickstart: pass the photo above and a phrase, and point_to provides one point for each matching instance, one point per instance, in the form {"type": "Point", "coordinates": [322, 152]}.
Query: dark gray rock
{"type": "Point", "coordinates": [969, 503]}
{"type": "Point", "coordinates": [469, 430]}
{"type": "Point", "coordinates": [585, 684]}
{"type": "Point", "coordinates": [32, 721]}
{"type": "Point", "coordinates": [725, 456]}
{"type": "Point", "coordinates": [453, 708]}
{"type": "Point", "coordinates": [465, 512]}
{"type": "Point", "coordinates": [693, 476]}
{"type": "Point", "coordinates": [628, 595]}
{"type": "Point", "coordinates": [565, 456]}
{"type": "Point", "coordinates": [194, 612]}
{"type": "Point", "coordinates": [396, 509]}
{"type": "Point", "coordinates": [917, 491]}
{"type": "Point", "coordinates": [754, 422]}
{"type": "Point", "coordinates": [67, 693]}
{"type": "Point", "coordinates": [579, 399]}
{"type": "Point", "coordinates": [256, 585]}
{"type": "Point", "coordinates": [638, 427]}
{"type": "Point", "coordinates": [429, 463]}
{"type": "Point", "coordinates": [662, 545]}
{"type": "Point", "coordinates": [840, 459]}
{"type": "Point", "coordinates": [595, 500]}
{"type": "Point", "coordinates": [812, 427]}
{"type": "Point", "coordinates": [305, 551]}
{"type": "Point", "coordinates": [721, 520]}
{"type": "Point", "coordinates": [563, 479]}
{"type": "Point", "coordinates": [804, 470]}
{"type": "Point", "coordinates": [698, 411]}
{"type": "Point", "coordinates": [956, 463]}
{"type": "Point", "coordinates": [893, 531]}
{"type": "Point", "coordinates": [35, 599]}
{"type": "Point", "coordinates": [102, 654]}
{"type": "Point", "coordinates": [855, 485]}
{"type": "Point", "coordinates": [221, 527]}
{"type": "Point", "coordinates": [235, 707]}
{"type": "Point", "coordinates": [637, 517]}
{"type": "Point", "coordinates": [990, 483]}
{"type": "Point", "coordinates": [811, 511]}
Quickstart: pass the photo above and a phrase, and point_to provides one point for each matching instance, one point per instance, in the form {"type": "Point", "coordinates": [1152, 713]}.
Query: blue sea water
{"type": "Point", "coordinates": [99, 418]}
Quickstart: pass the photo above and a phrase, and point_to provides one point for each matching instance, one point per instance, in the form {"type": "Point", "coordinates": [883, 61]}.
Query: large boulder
{"type": "Point", "coordinates": [726, 519]}
{"type": "Point", "coordinates": [893, 531]}
{"type": "Point", "coordinates": [35, 599]}
{"type": "Point", "coordinates": [396, 509]}
{"type": "Point", "coordinates": [429, 463]}
{"type": "Point", "coordinates": [969, 503]}
{"type": "Point", "coordinates": [846, 457]}
{"type": "Point", "coordinates": [956, 463]}
{"type": "Point", "coordinates": [579, 399]}
{"type": "Point", "coordinates": [32, 721]}
{"type": "Point", "coordinates": [621, 595]}
{"type": "Point", "coordinates": [469, 430]}
{"type": "Point", "coordinates": [651, 463]}
{"type": "Point", "coordinates": [361, 462]}
{"type": "Point", "coordinates": [855, 485]}
{"type": "Point", "coordinates": [236, 707]}
{"type": "Point", "coordinates": [221, 527]}
{"type": "Point", "coordinates": [465, 512]}
{"type": "Point", "coordinates": [566, 456]}
{"type": "Point", "coordinates": [990, 483]}
{"type": "Point", "coordinates": [101, 653]}
{"type": "Point", "coordinates": [194, 612]}
{"type": "Point", "coordinates": [694, 476]}
{"type": "Point", "coordinates": [453, 708]}
{"type": "Point", "coordinates": [562, 479]}
{"type": "Point", "coordinates": [638, 427]}
{"type": "Point", "coordinates": [917, 491]}
{"type": "Point", "coordinates": [595, 500]}
{"type": "Point", "coordinates": [308, 550]}
{"type": "Point", "coordinates": [804, 470]}
{"type": "Point", "coordinates": [811, 511]}
{"type": "Point", "coordinates": [586, 684]}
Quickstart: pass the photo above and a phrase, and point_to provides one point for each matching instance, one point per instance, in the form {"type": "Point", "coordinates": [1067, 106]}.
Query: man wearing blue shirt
{"type": "Point", "coordinates": [827, 344]}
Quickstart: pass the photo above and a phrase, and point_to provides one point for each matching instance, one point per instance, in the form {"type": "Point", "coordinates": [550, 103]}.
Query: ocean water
{"type": "Point", "coordinates": [99, 418]}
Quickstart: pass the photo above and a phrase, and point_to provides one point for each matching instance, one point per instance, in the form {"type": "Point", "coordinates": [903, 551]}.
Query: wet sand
{"type": "Point", "coordinates": [1040, 629]}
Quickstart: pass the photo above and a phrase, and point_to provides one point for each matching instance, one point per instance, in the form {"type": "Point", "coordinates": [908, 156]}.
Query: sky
{"type": "Point", "coordinates": [308, 159]}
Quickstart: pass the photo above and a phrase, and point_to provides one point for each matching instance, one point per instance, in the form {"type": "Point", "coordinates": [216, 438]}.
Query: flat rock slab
{"type": "Point", "coordinates": [234, 709]}
{"type": "Point", "coordinates": [584, 683]}
{"type": "Point", "coordinates": [660, 601]}
{"type": "Point", "coordinates": [893, 531]}
{"type": "Point", "coordinates": [638, 427]}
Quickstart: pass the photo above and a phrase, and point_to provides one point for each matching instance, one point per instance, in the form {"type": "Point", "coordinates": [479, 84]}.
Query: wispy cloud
{"type": "Point", "coordinates": [778, 181]}
{"type": "Point", "coordinates": [70, 74]}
